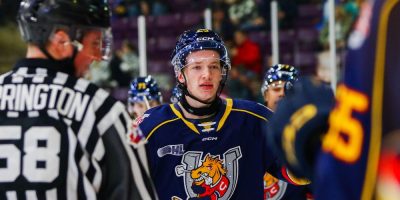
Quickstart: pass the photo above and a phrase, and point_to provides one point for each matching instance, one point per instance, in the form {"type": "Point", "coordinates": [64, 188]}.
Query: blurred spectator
{"type": "Point", "coordinates": [287, 14]}
{"type": "Point", "coordinates": [145, 8]}
{"type": "Point", "coordinates": [159, 8]}
{"type": "Point", "coordinates": [129, 8]}
{"type": "Point", "coordinates": [114, 64]}
{"type": "Point", "coordinates": [345, 14]}
{"type": "Point", "coordinates": [246, 53]}
{"type": "Point", "coordinates": [120, 9]}
{"type": "Point", "coordinates": [246, 70]}
{"type": "Point", "coordinates": [125, 64]}
{"type": "Point", "coordinates": [99, 74]}
{"type": "Point", "coordinates": [324, 69]}
{"type": "Point", "coordinates": [346, 11]}
{"type": "Point", "coordinates": [351, 7]}
{"type": "Point", "coordinates": [308, 1]}
{"type": "Point", "coordinates": [221, 22]}
{"type": "Point", "coordinates": [242, 13]}
{"type": "Point", "coordinates": [237, 85]}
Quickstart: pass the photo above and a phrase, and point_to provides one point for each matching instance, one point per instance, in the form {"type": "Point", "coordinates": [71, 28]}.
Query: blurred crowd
{"type": "Point", "coordinates": [243, 24]}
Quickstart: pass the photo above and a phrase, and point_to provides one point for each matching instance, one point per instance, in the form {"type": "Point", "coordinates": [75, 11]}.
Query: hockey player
{"type": "Point", "coordinates": [143, 95]}
{"type": "Point", "coordinates": [204, 147]}
{"type": "Point", "coordinates": [60, 136]}
{"type": "Point", "coordinates": [278, 78]}
{"type": "Point", "coordinates": [340, 149]}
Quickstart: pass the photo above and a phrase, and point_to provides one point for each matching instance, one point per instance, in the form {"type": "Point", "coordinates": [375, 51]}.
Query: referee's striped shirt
{"type": "Point", "coordinates": [65, 138]}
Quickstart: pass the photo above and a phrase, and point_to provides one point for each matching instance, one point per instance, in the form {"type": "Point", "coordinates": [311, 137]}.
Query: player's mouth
{"type": "Point", "coordinates": [206, 86]}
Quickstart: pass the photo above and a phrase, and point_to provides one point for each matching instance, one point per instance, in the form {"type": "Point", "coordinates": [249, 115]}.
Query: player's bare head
{"type": "Point", "coordinates": [200, 48]}
{"type": "Point", "coordinates": [40, 21]}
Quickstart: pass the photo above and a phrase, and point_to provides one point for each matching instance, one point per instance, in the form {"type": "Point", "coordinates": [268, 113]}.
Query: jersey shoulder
{"type": "Point", "coordinates": [156, 117]}
{"type": "Point", "coordinates": [252, 108]}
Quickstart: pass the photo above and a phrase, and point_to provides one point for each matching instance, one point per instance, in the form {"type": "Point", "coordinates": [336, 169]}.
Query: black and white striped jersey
{"type": "Point", "coordinates": [65, 138]}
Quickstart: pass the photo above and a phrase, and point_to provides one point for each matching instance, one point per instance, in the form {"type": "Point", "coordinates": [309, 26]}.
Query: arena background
{"type": "Point", "coordinates": [303, 38]}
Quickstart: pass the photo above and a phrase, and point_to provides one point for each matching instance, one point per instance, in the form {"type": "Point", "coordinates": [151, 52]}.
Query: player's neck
{"type": "Point", "coordinates": [188, 115]}
{"type": "Point", "coordinates": [34, 52]}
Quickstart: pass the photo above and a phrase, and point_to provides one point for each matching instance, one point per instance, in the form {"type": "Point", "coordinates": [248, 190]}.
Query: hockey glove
{"type": "Point", "coordinates": [299, 123]}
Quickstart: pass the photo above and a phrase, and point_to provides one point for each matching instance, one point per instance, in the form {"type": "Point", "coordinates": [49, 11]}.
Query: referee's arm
{"type": "Point", "coordinates": [124, 175]}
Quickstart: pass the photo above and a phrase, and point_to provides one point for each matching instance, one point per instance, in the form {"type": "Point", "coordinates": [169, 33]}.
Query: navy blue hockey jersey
{"type": "Point", "coordinates": [221, 158]}
{"type": "Point", "coordinates": [367, 105]}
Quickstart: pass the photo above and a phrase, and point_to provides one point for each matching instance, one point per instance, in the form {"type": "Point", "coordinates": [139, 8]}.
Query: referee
{"type": "Point", "coordinates": [60, 136]}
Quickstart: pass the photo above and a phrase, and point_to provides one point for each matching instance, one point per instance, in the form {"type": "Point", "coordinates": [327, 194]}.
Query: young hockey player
{"type": "Point", "coordinates": [204, 147]}
{"type": "Point", "coordinates": [277, 80]}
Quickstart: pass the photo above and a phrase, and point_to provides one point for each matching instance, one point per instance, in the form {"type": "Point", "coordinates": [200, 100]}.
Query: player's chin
{"type": "Point", "coordinates": [209, 94]}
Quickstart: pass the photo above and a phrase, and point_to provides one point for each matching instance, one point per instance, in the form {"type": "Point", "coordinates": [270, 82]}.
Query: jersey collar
{"type": "Point", "coordinates": [220, 117]}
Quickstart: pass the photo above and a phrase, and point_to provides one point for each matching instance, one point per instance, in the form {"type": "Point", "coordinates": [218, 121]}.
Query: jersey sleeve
{"type": "Point", "coordinates": [275, 165]}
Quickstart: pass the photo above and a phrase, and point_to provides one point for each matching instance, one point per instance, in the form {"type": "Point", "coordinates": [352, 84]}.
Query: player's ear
{"type": "Point", "coordinates": [265, 96]}
{"type": "Point", "coordinates": [181, 79]}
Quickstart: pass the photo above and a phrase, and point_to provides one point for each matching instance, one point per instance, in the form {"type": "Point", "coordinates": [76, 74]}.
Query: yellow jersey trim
{"type": "Point", "coordinates": [297, 180]}
{"type": "Point", "coordinates": [158, 126]}
{"type": "Point", "coordinates": [179, 115]}
{"type": "Point", "coordinates": [377, 101]}
{"type": "Point", "coordinates": [228, 110]}
{"type": "Point", "coordinates": [251, 113]}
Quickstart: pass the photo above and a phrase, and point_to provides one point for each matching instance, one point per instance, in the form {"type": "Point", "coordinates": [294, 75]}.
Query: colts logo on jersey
{"type": "Point", "coordinates": [211, 176]}
{"type": "Point", "coordinates": [273, 187]}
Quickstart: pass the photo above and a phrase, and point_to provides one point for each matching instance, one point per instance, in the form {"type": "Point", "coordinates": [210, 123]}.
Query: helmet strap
{"type": "Point", "coordinates": [42, 48]}
{"type": "Point", "coordinates": [146, 101]}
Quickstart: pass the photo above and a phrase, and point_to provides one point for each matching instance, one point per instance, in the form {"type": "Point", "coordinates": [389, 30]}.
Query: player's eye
{"type": "Point", "coordinates": [196, 67]}
{"type": "Point", "coordinates": [214, 67]}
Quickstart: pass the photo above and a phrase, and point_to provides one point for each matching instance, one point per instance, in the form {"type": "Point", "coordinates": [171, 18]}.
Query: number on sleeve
{"type": "Point", "coordinates": [345, 135]}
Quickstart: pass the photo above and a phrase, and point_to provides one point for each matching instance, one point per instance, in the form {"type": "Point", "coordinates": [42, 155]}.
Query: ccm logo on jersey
{"type": "Point", "coordinates": [205, 38]}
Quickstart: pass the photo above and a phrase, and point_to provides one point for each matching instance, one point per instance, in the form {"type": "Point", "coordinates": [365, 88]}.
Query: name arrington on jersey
{"type": "Point", "coordinates": [24, 97]}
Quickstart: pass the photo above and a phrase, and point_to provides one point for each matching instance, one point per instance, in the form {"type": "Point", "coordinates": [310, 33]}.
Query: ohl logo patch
{"type": "Point", "coordinates": [210, 176]}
